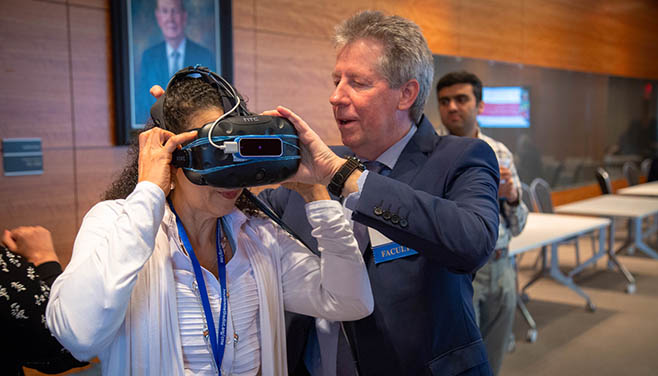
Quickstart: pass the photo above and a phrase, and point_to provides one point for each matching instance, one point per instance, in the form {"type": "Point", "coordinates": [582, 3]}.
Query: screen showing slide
{"type": "Point", "coordinates": [505, 107]}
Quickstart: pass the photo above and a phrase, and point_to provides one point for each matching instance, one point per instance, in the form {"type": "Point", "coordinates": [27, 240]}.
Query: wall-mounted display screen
{"type": "Point", "coordinates": [505, 107]}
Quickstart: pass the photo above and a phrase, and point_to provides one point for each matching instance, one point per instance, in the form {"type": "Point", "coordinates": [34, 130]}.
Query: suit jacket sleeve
{"type": "Point", "coordinates": [451, 211]}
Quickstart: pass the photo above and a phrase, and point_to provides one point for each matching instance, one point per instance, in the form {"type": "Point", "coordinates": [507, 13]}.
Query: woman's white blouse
{"type": "Point", "coordinates": [117, 298]}
{"type": "Point", "coordinates": [241, 357]}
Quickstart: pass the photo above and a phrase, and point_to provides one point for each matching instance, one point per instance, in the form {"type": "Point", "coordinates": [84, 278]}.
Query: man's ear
{"type": "Point", "coordinates": [480, 107]}
{"type": "Point", "coordinates": [408, 94]}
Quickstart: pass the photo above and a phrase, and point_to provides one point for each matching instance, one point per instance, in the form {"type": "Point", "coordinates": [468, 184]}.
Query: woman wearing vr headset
{"type": "Point", "coordinates": [172, 278]}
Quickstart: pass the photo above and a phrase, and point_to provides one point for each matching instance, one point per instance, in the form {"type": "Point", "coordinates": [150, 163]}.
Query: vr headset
{"type": "Point", "coordinates": [240, 149]}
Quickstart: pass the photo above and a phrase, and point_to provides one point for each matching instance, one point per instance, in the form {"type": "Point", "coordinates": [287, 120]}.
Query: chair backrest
{"type": "Point", "coordinates": [541, 192]}
{"type": "Point", "coordinates": [645, 167]}
{"type": "Point", "coordinates": [527, 197]}
{"type": "Point", "coordinates": [631, 173]}
{"type": "Point", "coordinates": [603, 178]}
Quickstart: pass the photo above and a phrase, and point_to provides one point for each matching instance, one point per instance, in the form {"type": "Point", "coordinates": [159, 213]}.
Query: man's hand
{"type": "Point", "coordinates": [32, 242]}
{"type": "Point", "coordinates": [507, 190]}
{"type": "Point", "coordinates": [319, 163]}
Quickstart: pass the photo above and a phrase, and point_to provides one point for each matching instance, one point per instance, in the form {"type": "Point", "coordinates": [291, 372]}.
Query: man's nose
{"type": "Point", "coordinates": [338, 96]}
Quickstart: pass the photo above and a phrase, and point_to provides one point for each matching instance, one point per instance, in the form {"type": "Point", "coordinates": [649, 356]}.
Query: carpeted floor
{"type": "Point", "coordinates": [619, 338]}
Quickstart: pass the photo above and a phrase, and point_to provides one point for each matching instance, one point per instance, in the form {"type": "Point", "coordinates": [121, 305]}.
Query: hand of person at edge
{"type": "Point", "coordinates": [32, 242]}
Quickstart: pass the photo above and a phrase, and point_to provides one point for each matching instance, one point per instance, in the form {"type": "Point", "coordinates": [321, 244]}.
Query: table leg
{"type": "Point", "coordinates": [597, 255]}
{"type": "Point", "coordinates": [612, 258]}
{"type": "Point", "coordinates": [538, 275]}
{"type": "Point", "coordinates": [558, 276]}
{"type": "Point", "coordinates": [639, 241]}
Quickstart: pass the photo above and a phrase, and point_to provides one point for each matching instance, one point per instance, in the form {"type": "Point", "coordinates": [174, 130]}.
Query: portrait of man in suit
{"type": "Point", "coordinates": [174, 51]}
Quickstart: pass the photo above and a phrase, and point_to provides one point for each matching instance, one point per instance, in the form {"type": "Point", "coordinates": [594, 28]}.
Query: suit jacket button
{"type": "Point", "coordinates": [395, 219]}
{"type": "Point", "coordinates": [386, 215]}
{"type": "Point", "coordinates": [378, 210]}
{"type": "Point", "coordinates": [403, 222]}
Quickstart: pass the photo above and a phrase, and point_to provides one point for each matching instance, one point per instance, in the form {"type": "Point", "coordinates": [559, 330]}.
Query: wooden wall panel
{"type": "Point", "coordinates": [438, 20]}
{"type": "Point", "coordinates": [244, 66]}
{"type": "Point", "coordinates": [299, 80]}
{"type": "Point", "coordinates": [45, 200]}
{"type": "Point", "coordinates": [93, 99]}
{"type": "Point", "coordinates": [102, 4]}
{"type": "Point", "coordinates": [96, 169]}
{"type": "Point", "coordinates": [305, 19]}
{"type": "Point", "coordinates": [244, 14]}
{"type": "Point", "coordinates": [583, 192]}
{"type": "Point", "coordinates": [35, 98]}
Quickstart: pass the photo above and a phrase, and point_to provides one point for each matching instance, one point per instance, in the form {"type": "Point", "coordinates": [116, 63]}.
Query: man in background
{"type": "Point", "coordinates": [435, 195]}
{"type": "Point", "coordinates": [161, 61]}
{"type": "Point", "coordinates": [494, 299]}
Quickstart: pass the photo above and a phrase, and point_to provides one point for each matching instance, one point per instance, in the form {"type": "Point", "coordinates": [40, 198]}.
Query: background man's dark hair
{"type": "Point", "coordinates": [462, 77]}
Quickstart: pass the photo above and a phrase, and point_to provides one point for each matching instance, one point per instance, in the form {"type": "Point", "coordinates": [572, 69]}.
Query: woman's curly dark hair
{"type": "Point", "coordinates": [184, 98]}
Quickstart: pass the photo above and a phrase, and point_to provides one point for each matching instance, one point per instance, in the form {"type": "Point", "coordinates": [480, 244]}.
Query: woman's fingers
{"type": "Point", "coordinates": [155, 154]}
{"type": "Point", "coordinates": [174, 141]}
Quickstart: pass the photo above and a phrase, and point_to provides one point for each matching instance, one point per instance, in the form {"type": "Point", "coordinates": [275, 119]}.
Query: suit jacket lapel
{"type": "Point", "coordinates": [416, 152]}
{"type": "Point", "coordinates": [162, 72]}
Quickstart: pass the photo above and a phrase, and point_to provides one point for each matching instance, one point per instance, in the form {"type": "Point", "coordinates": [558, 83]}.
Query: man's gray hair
{"type": "Point", "coordinates": [406, 54]}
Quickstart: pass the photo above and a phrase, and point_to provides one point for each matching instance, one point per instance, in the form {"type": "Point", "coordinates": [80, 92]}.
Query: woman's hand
{"type": "Point", "coordinates": [309, 192]}
{"type": "Point", "coordinates": [155, 148]}
{"type": "Point", "coordinates": [319, 163]}
{"type": "Point", "coordinates": [32, 242]}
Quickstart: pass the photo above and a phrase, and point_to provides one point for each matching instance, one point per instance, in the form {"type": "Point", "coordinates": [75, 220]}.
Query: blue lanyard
{"type": "Point", "coordinates": [216, 344]}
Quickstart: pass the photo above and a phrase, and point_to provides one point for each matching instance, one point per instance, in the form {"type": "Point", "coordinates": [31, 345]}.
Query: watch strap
{"type": "Point", "coordinates": [337, 182]}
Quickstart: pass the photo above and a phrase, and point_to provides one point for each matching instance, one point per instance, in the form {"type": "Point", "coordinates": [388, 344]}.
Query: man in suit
{"type": "Point", "coordinates": [435, 195]}
{"type": "Point", "coordinates": [161, 61]}
{"type": "Point", "coordinates": [460, 101]}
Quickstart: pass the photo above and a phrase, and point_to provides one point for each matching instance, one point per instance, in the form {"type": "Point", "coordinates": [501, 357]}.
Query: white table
{"type": "Point", "coordinates": [542, 230]}
{"type": "Point", "coordinates": [647, 190]}
{"type": "Point", "coordinates": [635, 209]}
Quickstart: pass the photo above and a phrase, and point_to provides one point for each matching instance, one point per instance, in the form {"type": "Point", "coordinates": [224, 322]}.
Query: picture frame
{"type": "Point", "coordinates": [147, 47]}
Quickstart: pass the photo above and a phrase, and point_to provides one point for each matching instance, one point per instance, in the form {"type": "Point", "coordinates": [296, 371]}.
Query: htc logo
{"type": "Point", "coordinates": [249, 119]}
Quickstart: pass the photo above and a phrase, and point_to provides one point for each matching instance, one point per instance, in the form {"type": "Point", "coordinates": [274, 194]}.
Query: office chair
{"type": "Point", "coordinates": [603, 178]}
{"type": "Point", "coordinates": [645, 167]}
{"type": "Point", "coordinates": [631, 173]}
{"type": "Point", "coordinates": [541, 192]}
{"type": "Point", "coordinates": [527, 197]}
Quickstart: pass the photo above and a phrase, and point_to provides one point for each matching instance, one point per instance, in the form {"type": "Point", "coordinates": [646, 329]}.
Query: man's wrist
{"type": "Point", "coordinates": [345, 176]}
{"type": "Point", "coordinates": [337, 164]}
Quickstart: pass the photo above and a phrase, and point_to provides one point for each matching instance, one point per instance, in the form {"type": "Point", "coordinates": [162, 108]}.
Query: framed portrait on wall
{"type": "Point", "coordinates": [152, 39]}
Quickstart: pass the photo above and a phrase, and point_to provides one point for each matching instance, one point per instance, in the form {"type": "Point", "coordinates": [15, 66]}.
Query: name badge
{"type": "Point", "coordinates": [384, 249]}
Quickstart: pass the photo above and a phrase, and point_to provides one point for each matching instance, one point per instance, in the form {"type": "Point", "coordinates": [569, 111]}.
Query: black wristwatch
{"type": "Point", "coordinates": [337, 182]}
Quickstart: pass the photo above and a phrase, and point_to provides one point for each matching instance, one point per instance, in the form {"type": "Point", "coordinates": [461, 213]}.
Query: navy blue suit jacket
{"type": "Point", "coordinates": [154, 70]}
{"type": "Point", "coordinates": [445, 188]}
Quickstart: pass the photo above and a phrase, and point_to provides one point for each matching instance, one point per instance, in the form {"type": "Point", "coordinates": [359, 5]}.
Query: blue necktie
{"type": "Point", "coordinates": [377, 167]}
